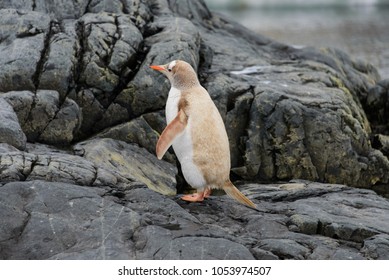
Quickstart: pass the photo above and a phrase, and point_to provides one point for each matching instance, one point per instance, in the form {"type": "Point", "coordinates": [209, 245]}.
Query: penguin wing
{"type": "Point", "coordinates": [174, 129]}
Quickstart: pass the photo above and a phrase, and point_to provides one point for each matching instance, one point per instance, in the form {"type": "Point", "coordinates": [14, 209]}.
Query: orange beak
{"type": "Point", "coordinates": [157, 67]}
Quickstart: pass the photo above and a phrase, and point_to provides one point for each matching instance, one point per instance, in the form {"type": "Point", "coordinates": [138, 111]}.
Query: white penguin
{"type": "Point", "coordinates": [197, 133]}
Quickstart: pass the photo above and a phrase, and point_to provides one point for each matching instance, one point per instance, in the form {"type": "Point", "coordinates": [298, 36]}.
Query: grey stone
{"type": "Point", "coordinates": [15, 165]}
{"type": "Point", "coordinates": [60, 221]}
{"type": "Point", "coordinates": [376, 104]}
{"type": "Point", "coordinates": [281, 105]}
{"type": "Point", "coordinates": [203, 248]}
{"type": "Point", "coordinates": [376, 247]}
{"type": "Point", "coordinates": [22, 42]}
{"type": "Point", "coordinates": [130, 162]}
{"type": "Point", "coordinates": [57, 71]}
{"type": "Point", "coordinates": [44, 117]}
{"type": "Point", "coordinates": [62, 9]}
{"type": "Point", "coordinates": [17, 4]}
{"type": "Point", "coordinates": [382, 142]}
{"type": "Point", "coordinates": [137, 131]}
{"type": "Point", "coordinates": [45, 105]}
{"type": "Point", "coordinates": [340, 218]}
{"type": "Point", "coordinates": [110, 44]}
{"type": "Point", "coordinates": [65, 221]}
{"type": "Point", "coordinates": [100, 162]}
{"type": "Point", "coordinates": [305, 224]}
{"type": "Point", "coordinates": [22, 102]}
{"type": "Point", "coordinates": [261, 254]}
{"type": "Point", "coordinates": [58, 167]}
{"type": "Point", "coordinates": [92, 111]}
{"type": "Point", "coordinates": [63, 127]}
{"type": "Point", "coordinates": [10, 130]}
{"type": "Point", "coordinates": [286, 249]}
{"type": "Point", "coordinates": [138, 11]}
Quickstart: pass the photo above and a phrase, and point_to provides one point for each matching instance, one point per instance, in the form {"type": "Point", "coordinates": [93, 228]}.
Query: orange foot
{"type": "Point", "coordinates": [207, 192]}
{"type": "Point", "coordinates": [197, 197]}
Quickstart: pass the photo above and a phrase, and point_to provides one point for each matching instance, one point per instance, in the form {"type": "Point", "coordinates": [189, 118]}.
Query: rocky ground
{"type": "Point", "coordinates": [80, 113]}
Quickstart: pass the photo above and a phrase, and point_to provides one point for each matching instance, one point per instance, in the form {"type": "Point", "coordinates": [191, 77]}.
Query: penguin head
{"type": "Point", "coordinates": [180, 73]}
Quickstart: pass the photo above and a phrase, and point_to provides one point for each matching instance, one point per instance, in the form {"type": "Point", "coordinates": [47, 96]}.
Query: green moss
{"type": "Point", "coordinates": [336, 82]}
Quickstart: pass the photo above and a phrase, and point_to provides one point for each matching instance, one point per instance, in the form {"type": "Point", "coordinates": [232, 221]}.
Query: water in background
{"type": "Point", "coordinates": [358, 27]}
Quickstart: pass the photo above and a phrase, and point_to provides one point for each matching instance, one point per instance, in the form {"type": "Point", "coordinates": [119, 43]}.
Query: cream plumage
{"type": "Point", "coordinates": [196, 131]}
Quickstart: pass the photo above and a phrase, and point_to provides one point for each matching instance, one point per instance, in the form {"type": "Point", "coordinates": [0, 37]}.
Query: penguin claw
{"type": "Point", "coordinates": [207, 193]}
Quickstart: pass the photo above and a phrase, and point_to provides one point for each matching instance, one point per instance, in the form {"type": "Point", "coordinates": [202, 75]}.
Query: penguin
{"type": "Point", "coordinates": [197, 133]}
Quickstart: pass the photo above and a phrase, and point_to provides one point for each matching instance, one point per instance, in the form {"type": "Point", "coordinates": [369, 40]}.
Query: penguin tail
{"type": "Point", "coordinates": [234, 193]}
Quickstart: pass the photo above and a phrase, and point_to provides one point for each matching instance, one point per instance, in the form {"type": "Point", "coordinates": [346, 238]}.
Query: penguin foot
{"type": "Point", "coordinates": [196, 197]}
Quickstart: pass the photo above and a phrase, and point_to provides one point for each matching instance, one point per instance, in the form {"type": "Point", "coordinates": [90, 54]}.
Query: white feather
{"type": "Point", "coordinates": [183, 145]}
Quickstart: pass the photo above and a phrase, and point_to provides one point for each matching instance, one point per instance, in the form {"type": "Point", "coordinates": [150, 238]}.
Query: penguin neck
{"type": "Point", "coordinates": [174, 93]}
{"type": "Point", "coordinates": [185, 82]}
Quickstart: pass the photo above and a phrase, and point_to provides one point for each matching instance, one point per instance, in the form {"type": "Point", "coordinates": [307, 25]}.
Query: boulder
{"type": "Point", "coordinates": [10, 130]}
{"type": "Point", "coordinates": [23, 44]}
{"type": "Point", "coordinates": [290, 113]}
{"type": "Point", "coordinates": [281, 104]}
{"type": "Point", "coordinates": [44, 117]}
{"type": "Point", "coordinates": [99, 162]}
{"type": "Point", "coordinates": [55, 220]}
{"type": "Point", "coordinates": [130, 162]}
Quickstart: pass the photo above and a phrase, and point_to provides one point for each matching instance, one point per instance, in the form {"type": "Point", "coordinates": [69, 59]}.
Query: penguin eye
{"type": "Point", "coordinates": [169, 69]}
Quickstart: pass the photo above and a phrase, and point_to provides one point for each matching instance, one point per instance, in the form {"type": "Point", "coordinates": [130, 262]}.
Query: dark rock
{"type": "Point", "coordinates": [284, 248]}
{"type": "Point", "coordinates": [139, 131]}
{"type": "Point", "coordinates": [381, 142]}
{"type": "Point", "coordinates": [60, 60]}
{"type": "Point", "coordinates": [99, 162]}
{"type": "Point", "coordinates": [45, 105]}
{"type": "Point", "coordinates": [290, 113]}
{"type": "Point", "coordinates": [10, 130]}
{"type": "Point", "coordinates": [206, 248]}
{"type": "Point", "coordinates": [22, 43]}
{"type": "Point", "coordinates": [60, 221]}
{"type": "Point", "coordinates": [135, 131]}
{"type": "Point", "coordinates": [64, 125]}
{"type": "Point", "coordinates": [44, 118]}
{"type": "Point", "coordinates": [304, 224]}
{"type": "Point", "coordinates": [129, 163]}
{"type": "Point", "coordinates": [338, 217]}
{"type": "Point", "coordinates": [15, 165]}
{"type": "Point", "coordinates": [376, 247]}
{"type": "Point", "coordinates": [261, 254]}
{"type": "Point", "coordinates": [64, 221]}
{"type": "Point", "coordinates": [110, 42]}
{"type": "Point", "coordinates": [22, 102]}
{"type": "Point", "coordinates": [285, 129]}
{"type": "Point", "coordinates": [377, 106]}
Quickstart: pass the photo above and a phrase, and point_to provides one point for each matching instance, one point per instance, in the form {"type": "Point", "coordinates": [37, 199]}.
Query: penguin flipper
{"type": "Point", "coordinates": [174, 128]}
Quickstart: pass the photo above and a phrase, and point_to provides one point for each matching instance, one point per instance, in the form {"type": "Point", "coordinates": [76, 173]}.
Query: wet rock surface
{"type": "Point", "coordinates": [299, 220]}
{"type": "Point", "coordinates": [81, 113]}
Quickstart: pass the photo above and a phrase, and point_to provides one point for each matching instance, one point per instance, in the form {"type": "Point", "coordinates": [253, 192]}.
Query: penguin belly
{"type": "Point", "coordinates": [183, 148]}
{"type": "Point", "coordinates": [183, 144]}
